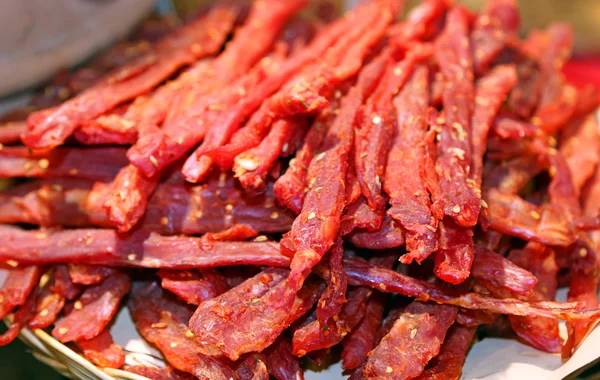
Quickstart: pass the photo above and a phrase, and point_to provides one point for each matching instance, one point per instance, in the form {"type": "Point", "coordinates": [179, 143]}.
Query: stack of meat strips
{"type": "Point", "coordinates": [259, 188]}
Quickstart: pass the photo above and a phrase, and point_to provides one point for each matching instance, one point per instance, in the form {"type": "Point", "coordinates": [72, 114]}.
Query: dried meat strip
{"type": "Point", "coordinates": [246, 318]}
{"type": "Point", "coordinates": [155, 373]}
{"type": "Point", "coordinates": [281, 362]}
{"type": "Point", "coordinates": [513, 216]}
{"type": "Point", "coordinates": [333, 298]}
{"type": "Point", "coordinates": [100, 164]}
{"type": "Point", "coordinates": [580, 146]}
{"type": "Point", "coordinates": [361, 339]}
{"type": "Point", "coordinates": [475, 318]}
{"type": "Point", "coordinates": [361, 273]}
{"type": "Point", "coordinates": [541, 333]}
{"type": "Point", "coordinates": [85, 274]}
{"type": "Point", "coordinates": [10, 133]}
{"type": "Point", "coordinates": [508, 126]}
{"type": "Point", "coordinates": [191, 286]}
{"type": "Point", "coordinates": [93, 310]}
{"type": "Point", "coordinates": [359, 215]}
{"type": "Point", "coordinates": [163, 321]}
{"type": "Point", "coordinates": [317, 226]}
{"type": "Point", "coordinates": [102, 351]}
{"type": "Point", "coordinates": [63, 284]}
{"type": "Point", "coordinates": [448, 364]}
{"type": "Point", "coordinates": [495, 27]}
{"type": "Point", "coordinates": [501, 272]}
{"type": "Point", "coordinates": [390, 235]}
{"type": "Point", "coordinates": [415, 338]}
{"type": "Point", "coordinates": [490, 93]}
{"type": "Point", "coordinates": [459, 198]}
{"type": "Point", "coordinates": [140, 249]}
{"type": "Point", "coordinates": [454, 258]}
{"type": "Point", "coordinates": [19, 283]}
{"type": "Point", "coordinates": [21, 318]}
{"type": "Point", "coordinates": [409, 196]}
{"type": "Point", "coordinates": [512, 176]}
{"type": "Point", "coordinates": [196, 40]}
{"type": "Point", "coordinates": [252, 166]}
{"type": "Point", "coordinates": [48, 305]}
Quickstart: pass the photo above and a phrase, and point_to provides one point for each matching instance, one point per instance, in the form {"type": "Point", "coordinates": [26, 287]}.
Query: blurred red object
{"type": "Point", "coordinates": [584, 70]}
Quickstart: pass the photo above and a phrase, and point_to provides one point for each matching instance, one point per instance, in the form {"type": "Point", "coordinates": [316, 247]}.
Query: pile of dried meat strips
{"type": "Point", "coordinates": [261, 189]}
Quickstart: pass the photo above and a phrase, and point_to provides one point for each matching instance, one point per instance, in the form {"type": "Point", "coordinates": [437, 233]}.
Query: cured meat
{"type": "Point", "coordinates": [512, 176]}
{"type": "Point", "coordinates": [359, 215]}
{"type": "Point", "coordinates": [154, 373]}
{"type": "Point", "coordinates": [390, 235]}
{"type": "Point", "coordinates": [449, 362]}
{"type": "Point", "coordinates": [333, 298]}
{"type": "Point", "coordinates": [459, 198]}
{"type": "Point", "coordinates": [141, 249]}
{"type": "Point", "coordinates": [21, 318]}
{"type": "Point", "coordinates": [200, 38]}
{"type": "Point", "coordinates": [89, 274]}
{"type": "Point", "coordinates": [10, 133]}
{"type": "Point", "coordinates": [63, 284]}
{"type": "Point", "coordinates": [281, 362]}
{"type": "Point", "coordinates": [161, 320]}
{"type": "Point", "coordinates": [580, 146]}
{"type": "Point", "coordinates": [19, 283]}
{"type": "Point", "coordinates": [97, 164]}
{"type": "Point", "coordinates": [409, 196]}
{"type": "Point", "coordinates": [494, 268]}
{"type": "Point", "coordinates": [47, 307]}
{"type": "Point", "coordinates": [193, 287]}
{"type": "Point", "coordinates": [454, 258]}
{"type": "Point", "coordinates": [99, 304]}
{"type": "Point", "coordinates": [102, 351]}
{"type": "Point", "coordinates": [246, 318]}
{"type": "Point", "coordinates": [414, 339]}
{"type": "Point", "coordinates": [361, 339]}
{"type": "Point", "coordinates": [508, 126]}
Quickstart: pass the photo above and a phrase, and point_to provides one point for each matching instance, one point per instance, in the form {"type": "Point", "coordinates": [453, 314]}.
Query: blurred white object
{"type": "Point", "coordinates": [40, 37]}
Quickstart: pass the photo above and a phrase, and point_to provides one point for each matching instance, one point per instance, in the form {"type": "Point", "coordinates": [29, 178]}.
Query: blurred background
{"type": "Point", "coordinates": [75, 46]}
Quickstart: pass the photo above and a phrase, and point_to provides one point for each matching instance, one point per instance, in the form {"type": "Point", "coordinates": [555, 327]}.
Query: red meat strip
{"type": "Point", "coordinates": [21, 318]}
{"type": "Point", "coordinates": [304, 93]}
{"type": "Point", "coordinates": [454, 258]}
{"type": "Point", "coordinates": [63, 284]}
{"type": "Point", "coordinates": [580, 146]}
{"type": "Point", "coordinates": [198, 39]}
{"type": "Point", "coordinates": [19, 283]}
{"type": "Point", "coordinates": [588, 99]}
{"type": "Point", "coordinates": [557, 99]}
{"type": "Point", "coordinates": [359, 215]}
{"type": "Point", "coordinates": [333, 298]}
{"type": "Point", "coordinates": [11, 133]}
{"type": "Point", "coordinates": [501, 272]}
{"type": "Point", "coordinates": [48, 305]}
{"type": "Point", "coordinates": [390, 235]}
{"type": "Point", "coordinates": [539, 332]}
{"type": "Point", "coordinates": [191, 286]}
{"type": "Point", "coordinates": [423, 22]}
{"type": "Point", "coordinates": [513, 216]}
{"type": "Point", "coordinates": [474, 318]}
{"type": "Point", "coordinates": [252, 166]}
{"type": "Point", "coordinates": [512, 176]}
{"type": "Point", "coordinates": [449, 362]}
{"type": "Point", "coordinates": [163, 321]}
{"type": "Point", "coordinates": [361, 273]}
{"type": "Point", "coordinates": [316, 228]}
{"type": "Point", "coordinates": [490, 93]}
{"type": "Point", "coordinates": [100, 164]}
{"type": "Point", "coordinates": [508, 126]}
{"type": "Point", "coordinates": [524, 98]}
{"type": "Point", "coordinates": [141, 249]}
{"type": "Point", "coordinates": [459, 198]}
{"type": "Point", "coordinates": [497, 25]}
{"type": "Point", "coordinates": [281, 362]}
{"type": "Point", "coordinates": [409, 197]}
{"type": "Point", "coordinates": [415, 338]}
{"type": "Point", "coordinates": [246, 318]}
{"type": "Point", "coordinates": [154, 373]}
{"type": "Point", "coordinates": [98, 304]}
{"type": "Point", "coordinates": [85, 274]}
{"type": "Point", "coordinates": [102, 351]}
{"type": "Point", "coordinates": [361, 340]}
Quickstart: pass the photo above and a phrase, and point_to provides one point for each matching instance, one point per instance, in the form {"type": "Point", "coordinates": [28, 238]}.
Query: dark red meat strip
{"type": "Point", "coordinates": [63, 284]}
{"type": "Point", "coordinates": [281, 362]}
{"type": "Point", "coordinates": [193, 287]}
{"type": "Point", "coordinates": [459, 198]}
{"type": "Point", "coordinates": [415, 338]}
{"type": "Point", "coordinates": [333, 298]}
{"type": "Point", "coordinates": [201, 38]}
{"type": "Point", "coordinates": [539, 332]}
{"type": "Point", "coordinates": [16, 288]}
{"type": "Point", "coordinates": [448, 364]}
{"type": "Point", "coordinates": [154, 373]}
{"type": "Point", "coordinates": [316, 228]}
{"type": "Point", "coordinates": [11, 133]}
{"type": "Point", "coordinates": [508, 126]}
{"type": "Point", "coordinates": [390, 235]}
{"type": "Point", "coordinates": [163, 321]}
{"type": "Point", "coordinates": [454, 258]}
{"type": "Point", "coordinates": [497, 25]}
{"type": "Point", "coordinates": [99, 303]}
{"type": "Point", "coordinates": [474, 318]}
{"type": "Point", "coordinates": [102, 351]}
{"type": "Point", "coordinates": [512, 176]}
{"type": "Point", "coordinates": [21, 318]}
{"type": "Point", "coordinates": [409, 197]}
{"type": "Point", "coordinates": [141, 249]}
{"type": "Point", "coordinates": [501, 272]}
{"type": "Point", "coordinates": [100, 164]}
{"type": "Point", "coordinates": [246, 318]}
{"type": "Point", "coordinates": [361, 339]}
{"type": "Point", "coordinates": [85, 274]}
{"type": "Point", "coordinates": [48, 305]}
{"type": "Point", "coordinates": [359, 215]}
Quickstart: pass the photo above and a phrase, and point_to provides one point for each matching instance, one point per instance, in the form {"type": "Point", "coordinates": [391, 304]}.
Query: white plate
{"type": "Point", "coordinates": [40, 37]}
